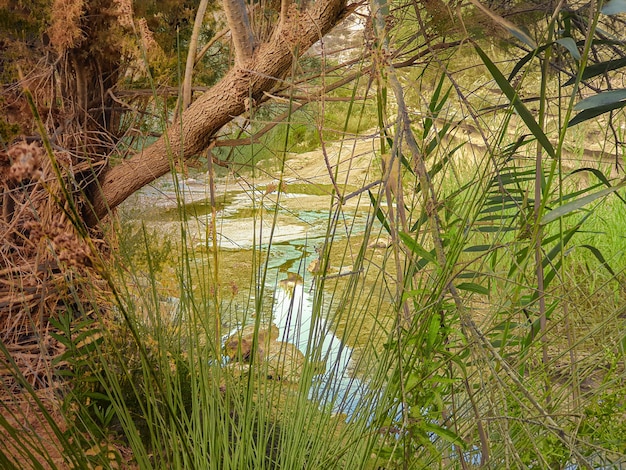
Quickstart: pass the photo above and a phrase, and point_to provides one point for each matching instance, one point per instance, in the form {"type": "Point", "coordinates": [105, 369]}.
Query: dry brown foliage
{"type": "Point", "coordinates": [47, 267]}
{"type": "Point", "coordinates": [42, 257]}
{"type": "Point", "coordinates": [39, 433]}
{"type": "Point", "coordinates": [65, 29]}
{"type": "Point", "coordinates": [46, 264]}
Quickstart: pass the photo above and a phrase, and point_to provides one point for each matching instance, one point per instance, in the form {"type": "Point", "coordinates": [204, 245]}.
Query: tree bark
{"type": "Point", "coordinates": [191, 54]}
{"type": "Point", "coordinates": [229, 98]}
{"type": "Point", "coordinates": [240, 30]}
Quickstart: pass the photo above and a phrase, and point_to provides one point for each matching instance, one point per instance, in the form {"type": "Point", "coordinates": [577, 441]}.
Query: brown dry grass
{"type": "Point", "coordinates": [43, 255]}
{"type": "Point", "coordinates": [47, 267]}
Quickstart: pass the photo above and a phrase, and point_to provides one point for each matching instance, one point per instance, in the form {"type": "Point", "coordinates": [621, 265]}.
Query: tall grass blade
{"type": "Point", "coordinates": [573, 206]}
{"type": "Point", "coordinates": [519, 106]}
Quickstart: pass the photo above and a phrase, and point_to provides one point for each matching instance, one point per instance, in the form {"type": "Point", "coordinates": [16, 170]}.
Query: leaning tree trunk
{"type": "Point", "coordinates": [242, 86]}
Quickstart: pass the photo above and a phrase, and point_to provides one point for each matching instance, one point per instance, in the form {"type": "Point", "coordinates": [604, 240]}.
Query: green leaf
{"type": "Point", "coordinates": [598, 69]}
{"type": "Point", "coordinates": [98, 396]}
{"type": "Point", "coordinates": [473, 287]}
{"type": "Point", "coordinates": [561, 244]}
{"type": "Point", "coordinates": [433, 331]}
{"type": "Point", "coordinates": [593, 112]}
{"type": "Point", "coordinates": [598, 254]}
{"type": "Point", "coordinates": [62, 339]}
{"type": "Point", "coordinates": [492, 229]}
{"type": "Point", "coordinates": [524, 60]}
{"type": "Point", "coordinates": [578, 203]}
{"type": "Point", "coordinates": [598, 174]}
{"type": "Point", "coordinates": [445, 434]}
{"type": "Point", "coordinates": [416, 247]}
{"type": "Point", "coordinates": [478, 248]}
{"type": "Point", "coordinates": [432, 145]}
{"type": "Point", "coordinates": [602, 99]}
{"type": "Point", "coordinates": [379, 213]}
{"type": "Point", "coordinates": [570, 45]}
{"type": "Point", "coordinates": [614, 7]}
{"type": "Point", "coordinates": [435, 106]}
{"type": "Point", "coordinates": [513, 97]}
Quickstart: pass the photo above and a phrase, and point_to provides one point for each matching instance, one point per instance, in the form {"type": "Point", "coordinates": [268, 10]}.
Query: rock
{"type": "Point", "coordinates": [380, 242]}
{"type": "Point", "coordinates": [315, 266]}
{"type": "Point", "coordinates": [284, 361]}
{"type": "Point", "coordinates": [292, 280]}
{"type": "Point", "coordinates": [238, 346]}
{"type": "Point", "coordinates": [280, 360]}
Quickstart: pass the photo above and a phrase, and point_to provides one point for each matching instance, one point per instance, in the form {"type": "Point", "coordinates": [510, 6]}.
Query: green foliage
{"type": "Point", "coordinates": [23, 19]}
{"type": "Point", "coordinates": [145, 250]}
{"type": "Point", "coordinates": [603, 420]}
{"type": "Point", "coordinates": [487, 327]}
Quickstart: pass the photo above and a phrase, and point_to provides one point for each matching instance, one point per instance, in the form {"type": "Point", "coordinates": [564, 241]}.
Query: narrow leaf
{"type": "Point", "coordinates": [379, 213]}
{"type": "Point", "coordinates": [524, 60]}
{"type": "Point", "coordinates": [598, 174]}
{"type": "Point", "coordinates": [417, 248]}
{"type": "Point", "coordinates": [513, 97]}
{"type": "Point", "coordinates": [478, 248]}
{"type": "Point", "coordinates": [602, 99]}
{"type": "Point", "coordinates": [433, 331]}
{"type": "Point", "coordinates": [570, 45]}
{"type": "Point", "coordinates": [593, 112]}
{"type": "Point", "coordinates": [445, 434]}
{"type": "Point", "coordinates": [473, 287]}
{"type": "Point", "coordinates": [599, 69]}
{"type": "Point", "coordinates": [614, 7]}
{"type": "Point", "coordinates": [598, 254]}
{"type": "Point", "coordinates": [578, 203]}
{"type": "Point", "coordinates": [563, 241]}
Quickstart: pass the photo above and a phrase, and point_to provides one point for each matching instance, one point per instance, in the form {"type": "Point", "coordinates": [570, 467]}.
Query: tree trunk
{"type": "Point", "coordinates": [232, 96]}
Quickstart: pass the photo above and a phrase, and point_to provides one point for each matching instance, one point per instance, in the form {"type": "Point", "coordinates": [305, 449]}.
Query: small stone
{"type": "Point", "coordinates": [314, 266]}
{"type": "Point", "coordinates": [239, 346]}
{"type": "Point", "coordinates": [292, 280]}
{"type": "Point", "coordinates": [380, 243]}
{"type": "Point", "coordinates": [284, 361]}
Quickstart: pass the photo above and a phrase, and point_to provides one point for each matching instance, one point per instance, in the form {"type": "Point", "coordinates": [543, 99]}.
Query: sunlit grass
{"type": "Point", "coordinates": [442, 309]}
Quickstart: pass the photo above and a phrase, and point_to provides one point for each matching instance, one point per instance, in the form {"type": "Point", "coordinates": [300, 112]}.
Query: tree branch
{"type": "Point", "coordinates": [240, 30]}
{"type": "Point", "coordinates": [284, 10]}
{"type": "Point", "coordinates": [218, 106]}
{"type": "Point", "coordinates": [208, 45]}
{"type": "Point", "coordinates": [191, 54]}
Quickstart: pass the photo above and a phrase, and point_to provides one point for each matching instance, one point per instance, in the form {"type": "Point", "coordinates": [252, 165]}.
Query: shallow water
{"type": "Point", "coordinates": [287, 227]}
{"type": "Point", "coordinates": [335, 387]}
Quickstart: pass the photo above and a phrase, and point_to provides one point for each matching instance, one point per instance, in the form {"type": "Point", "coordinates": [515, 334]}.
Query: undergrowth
{"type": "Point", "coordinates": [465, 303]}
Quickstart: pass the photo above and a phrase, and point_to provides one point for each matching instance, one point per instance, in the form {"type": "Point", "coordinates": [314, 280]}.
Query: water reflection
{"type": "Point", "coordinates": [299, 325]}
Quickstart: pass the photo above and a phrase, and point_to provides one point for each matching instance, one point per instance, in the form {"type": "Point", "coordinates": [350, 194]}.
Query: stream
{"type": "Point", "coordinates": [288, 227]}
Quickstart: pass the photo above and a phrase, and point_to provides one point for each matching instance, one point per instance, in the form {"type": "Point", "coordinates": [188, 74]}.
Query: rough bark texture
{"type": "Point", "coordinates": [229, 98]}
